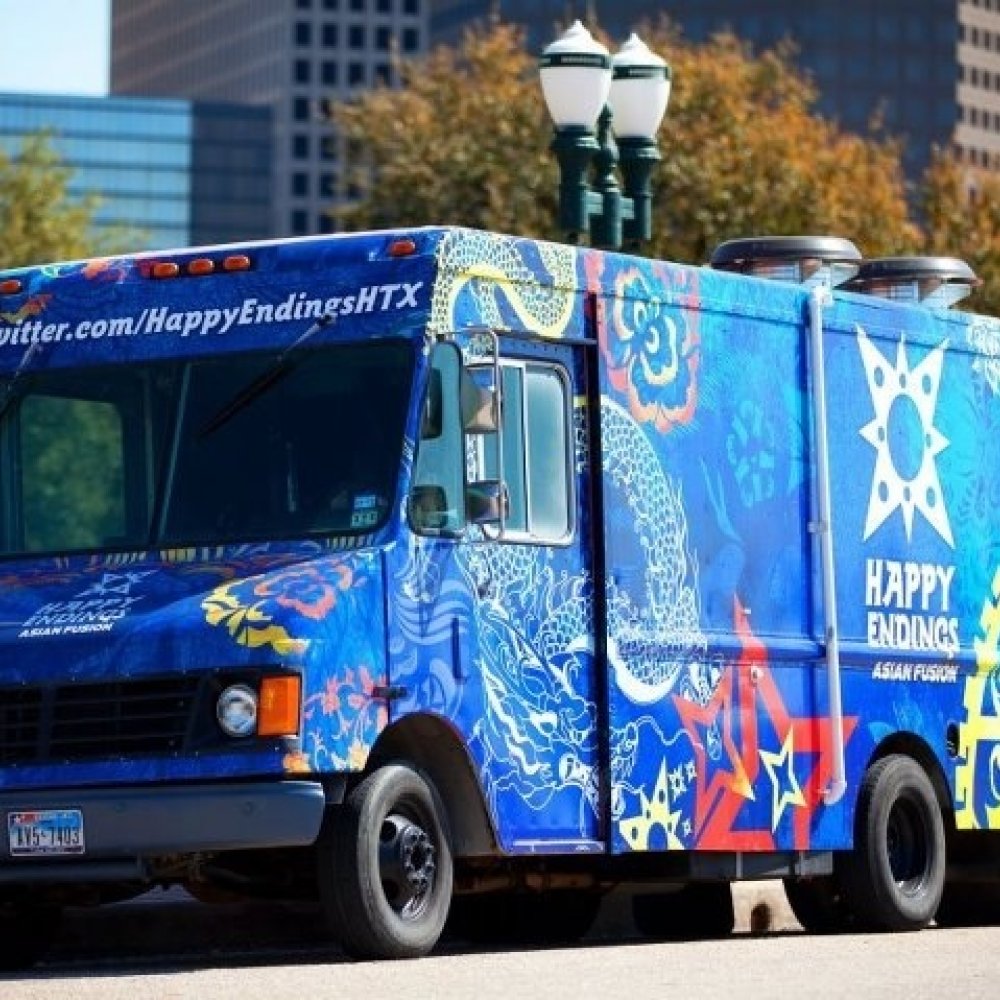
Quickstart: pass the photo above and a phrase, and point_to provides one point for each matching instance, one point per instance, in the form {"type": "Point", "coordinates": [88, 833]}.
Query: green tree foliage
{"type": "Point", "coordinates": [82, 509]}
{"type": "Point", "coordinates": [39, 222]}
{"type": "Point", "coordinates": [464, 139]}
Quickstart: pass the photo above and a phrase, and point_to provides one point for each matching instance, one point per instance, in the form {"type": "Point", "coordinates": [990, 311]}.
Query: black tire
{"type": "Point", "coordinates": [894, 877]}
{"type": "Point", "coordinates": [818, 904]}
{"type": "Point", "coordinates": [385, 867]}
{"type": "Point", "coordinates": [26, 934]}
{"type": "Point", "coordinates": [969, 904]}
{"type": "Point", "coordinates": [558, 917]}
{"type": "Point", "coordinates": [697, 910]}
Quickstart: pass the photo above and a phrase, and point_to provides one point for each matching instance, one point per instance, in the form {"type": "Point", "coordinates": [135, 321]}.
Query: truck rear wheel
{"type": "Point", "coordinates": [894, 877]}
{"type": "Point", "coordinates": [385, 867]}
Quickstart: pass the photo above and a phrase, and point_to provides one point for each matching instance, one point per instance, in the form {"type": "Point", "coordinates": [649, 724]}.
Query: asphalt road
{"type": "Point", "coordinates": [166, 948]}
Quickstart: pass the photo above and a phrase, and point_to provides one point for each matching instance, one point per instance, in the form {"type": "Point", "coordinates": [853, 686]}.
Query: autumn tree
{"type": "Point", "coordinates": [39, 221]}
{"type": "Point", "coordinates": [464, 139]}
{"type": "Point", "coordinates": [961, 213]}
{"type": "Point", "coordinates": [745, 153]}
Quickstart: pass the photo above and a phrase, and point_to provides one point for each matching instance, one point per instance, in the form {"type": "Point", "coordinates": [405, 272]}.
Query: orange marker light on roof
{"type": "Point", "coordinates": [280, 705]}
{"type": "Point", "coordinates": [166, 269]}
{"type": "Point", "coordinates": [236, 262]}
{"type": "Point", "coordinates": [10, 287]}
{"type": "Point", "coordinates": [402, 248]}
{"type": "Point", "coordinates": [201, 265]}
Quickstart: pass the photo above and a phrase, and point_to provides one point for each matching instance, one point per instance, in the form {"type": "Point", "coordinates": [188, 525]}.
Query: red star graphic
{"type": "Point", "coordinates": [720, 801]}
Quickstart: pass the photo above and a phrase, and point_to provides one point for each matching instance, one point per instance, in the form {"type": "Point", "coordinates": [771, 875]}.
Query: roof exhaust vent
{"type": "Point", "coordinates": [809, 260]}
{"type": "Point", "coordinates": [933, 282]}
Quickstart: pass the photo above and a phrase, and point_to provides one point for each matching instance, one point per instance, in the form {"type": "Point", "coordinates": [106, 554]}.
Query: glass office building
{"type": "Point", "coordinates": [170, 172]}
{"type": "Point", "coordinates": [287, 55]}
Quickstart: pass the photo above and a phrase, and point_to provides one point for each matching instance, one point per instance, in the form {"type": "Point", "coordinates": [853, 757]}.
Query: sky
{"type": "Point", "coordinates": [55, 46]}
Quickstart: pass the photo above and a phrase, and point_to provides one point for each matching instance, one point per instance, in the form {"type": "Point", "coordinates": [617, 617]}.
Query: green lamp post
{"type": "Point", "coordinates": [624, 99]}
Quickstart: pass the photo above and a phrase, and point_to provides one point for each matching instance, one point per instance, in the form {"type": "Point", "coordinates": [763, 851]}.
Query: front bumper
{"type": "Point", "coordinates": [130, 824]}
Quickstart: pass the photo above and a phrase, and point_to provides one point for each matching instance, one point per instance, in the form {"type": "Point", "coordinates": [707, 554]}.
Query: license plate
{"type": "Point", "coordinates": [45, 832]}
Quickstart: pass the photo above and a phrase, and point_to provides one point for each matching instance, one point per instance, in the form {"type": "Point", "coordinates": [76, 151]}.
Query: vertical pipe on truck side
{"type": "Point", "coordinates": [819, 297]}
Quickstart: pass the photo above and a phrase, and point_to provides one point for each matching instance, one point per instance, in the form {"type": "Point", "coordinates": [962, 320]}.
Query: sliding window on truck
{"type": "Point", "coordinates": [248, 447]}
{"type": "Point", "coordinates": [512, 474]}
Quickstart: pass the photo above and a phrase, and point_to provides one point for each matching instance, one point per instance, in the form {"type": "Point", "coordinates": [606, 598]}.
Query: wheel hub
{"type": "Point", "coordinates": [407, 863]}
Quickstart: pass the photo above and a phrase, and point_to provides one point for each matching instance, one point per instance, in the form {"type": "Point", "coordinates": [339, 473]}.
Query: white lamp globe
{"type": "Point", "coordinates": [640, 90]}
{"type": "Point", "coordinates": [576, 77]}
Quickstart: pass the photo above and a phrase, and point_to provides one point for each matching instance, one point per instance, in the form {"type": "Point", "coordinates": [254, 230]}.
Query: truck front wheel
{"type": "Point", "coordinates": [385, 867]}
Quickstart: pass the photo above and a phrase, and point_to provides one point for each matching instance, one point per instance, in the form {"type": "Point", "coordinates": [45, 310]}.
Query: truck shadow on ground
{"type": "Point", "coordinates": [168, 930]}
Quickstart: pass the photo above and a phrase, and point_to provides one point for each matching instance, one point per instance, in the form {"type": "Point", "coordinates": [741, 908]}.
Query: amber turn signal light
{"type": "Point", "coordinates": [280, 706]}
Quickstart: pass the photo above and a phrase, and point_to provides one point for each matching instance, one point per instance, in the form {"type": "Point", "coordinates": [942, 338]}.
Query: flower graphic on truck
{"type": "Point", "coordinates": [651, 347]}
{"type": "Point", "coordinates": [256, 611]}
{"type": "Point", "coordinates": [353, 714]}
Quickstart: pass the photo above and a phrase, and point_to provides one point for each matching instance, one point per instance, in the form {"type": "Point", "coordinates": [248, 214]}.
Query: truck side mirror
{"type": "Point", "coordinates": [428, 510]}
{"type": "Point", "coordinates": [479, 406]}
{"type": "Point", "coordinates": [486, 502]}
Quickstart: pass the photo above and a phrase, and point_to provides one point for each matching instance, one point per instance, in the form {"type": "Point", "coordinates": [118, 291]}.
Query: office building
{"type": "Point", "coordinates": [928, 69]}
{"type": "Point", "coordinates": [170, 172]}
{"type": "Point", "coordinates": [290, 56]}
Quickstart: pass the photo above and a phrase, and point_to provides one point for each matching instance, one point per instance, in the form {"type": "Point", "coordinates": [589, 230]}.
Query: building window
{"type": "Point", "coordinates": [303, 70]}
{"type": "Point", "coordinates": [356, 74]}
{"type": "Point", "coordinates": [357, 4]}
{"type": "Point", "coordinates": [411, 39]}
{"type": "Point", "coordinates": [356, 36]}
{"type": "Point", "coordinates": [328, 185]}
{"type": "Point", "coordinates": [330, 72]}
{"type": "Point", "coordinates": [383, 39]}
{"type": "Point", "coordinates": [325, 223]}
{"type": "Point", "coordinates": [303, 4]}
{"type": "Point", "coordinates": [382, 74]}
{"type": "Point", "coordinates": [300, 223]}
{"type": "Point", "coordinates": [300, 109]}
{"type": "Point", "coordinates": [303, 33]}
{"type": "Point", "coordinates": [300, 147]}
{"type": "Point", "coordinates": [300, 184]}
{"type": "Point", "coordinates": [331, 35]}
{"type": "Point", "coordinates": [331, 4]}
{"type": "Point", "coordinates": [411, 6]}
{"type": "Point", "coordinates": [384, 6]}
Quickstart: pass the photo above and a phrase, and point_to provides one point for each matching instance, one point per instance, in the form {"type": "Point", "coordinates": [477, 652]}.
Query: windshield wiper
{"type": "Point", "coordinates": [282, 365]}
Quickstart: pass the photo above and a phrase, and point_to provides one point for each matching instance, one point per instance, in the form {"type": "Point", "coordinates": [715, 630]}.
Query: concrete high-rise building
{"type": "Point", "coordinates": [168, 172]}
{"type": "Point", "coordinates": [929, 69]}
{"type": "Point", "coordinates": [287, 55]}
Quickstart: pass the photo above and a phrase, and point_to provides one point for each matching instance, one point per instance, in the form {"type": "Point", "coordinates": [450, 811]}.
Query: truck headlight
{"type": "Point", "coordinates": [236, 710]}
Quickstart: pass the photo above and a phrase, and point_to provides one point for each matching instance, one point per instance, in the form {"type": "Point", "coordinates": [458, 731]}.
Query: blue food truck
{"type": "Point", "coordinates": [438, 570]}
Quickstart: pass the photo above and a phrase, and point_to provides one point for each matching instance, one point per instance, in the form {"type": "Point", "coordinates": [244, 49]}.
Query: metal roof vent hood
{"type": "Point", "coordinates": [809, 260]}
{"type": "Point", "coordinates": [933, 282]}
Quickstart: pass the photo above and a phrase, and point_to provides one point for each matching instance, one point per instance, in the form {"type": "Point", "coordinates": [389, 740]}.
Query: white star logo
{"type": "Point", "coordinates": [119, 584]}
{"type": "Point", "coordinates": [896, 391]}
